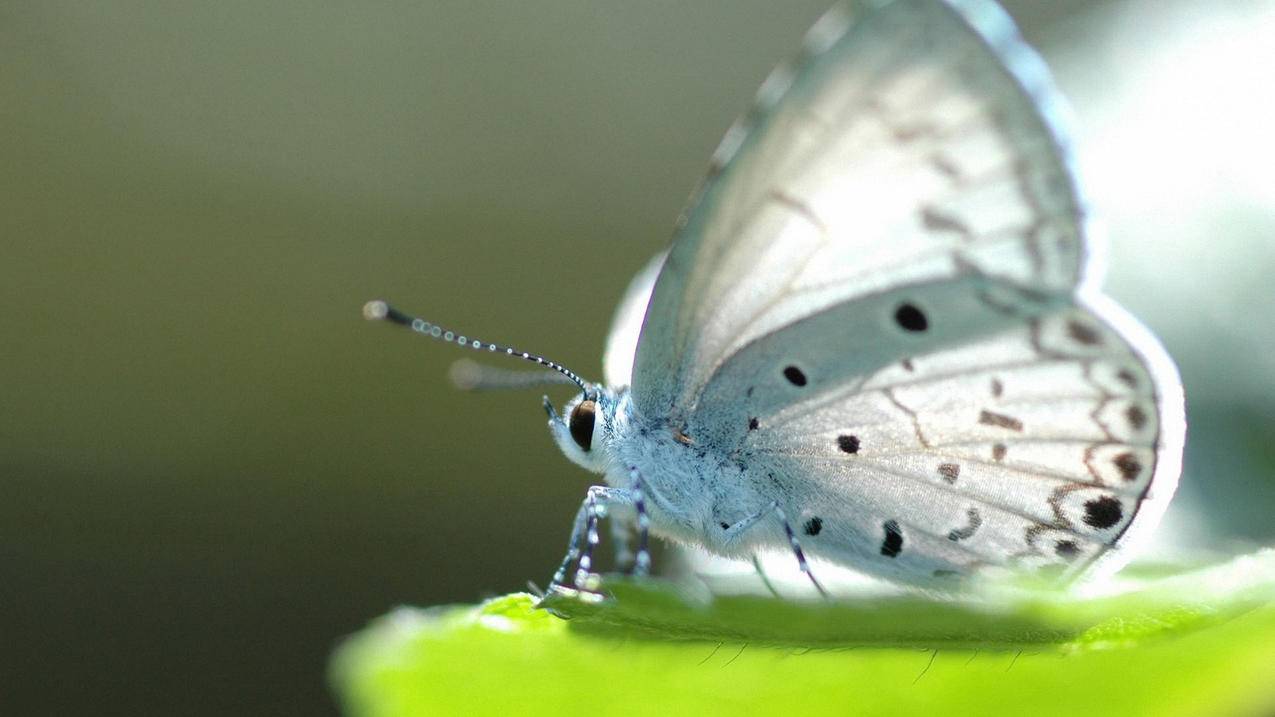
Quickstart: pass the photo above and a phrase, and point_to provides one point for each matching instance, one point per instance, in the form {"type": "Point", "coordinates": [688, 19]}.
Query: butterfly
{"type": "Point", "coordinates": [876, 338]}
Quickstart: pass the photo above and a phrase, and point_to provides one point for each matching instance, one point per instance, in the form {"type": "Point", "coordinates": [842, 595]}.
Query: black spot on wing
{"type": "Point", "coordinates": [1104, 512]}
{"type": "Point", "coordinates": [813, 526]}
{"type": "Point", "coordinates": [1128, 465]}
{"type": "Point", "coordinates": [998, 452]}
{"type": "Point", "coordinates": [1136, 416]}
{"type": "Point", "coordinates": [848, 444]}
{"type": "Point", "coordinates": [1083, 333]}
{"type": "Point", "coordinates": [950, 471]}
{"type": "Point", "coordinates": [910, 318]}
{"type": "Point", "coordinates": [893, 543]}
{"type": "Point", "coordinates": [1000, 420]}
{"type": "Point", "coordinates": [795, 376]}
{"type": "Point", "coordinates": [753, 423]}
{"type": "Point", "coordinates": [1066, 549]}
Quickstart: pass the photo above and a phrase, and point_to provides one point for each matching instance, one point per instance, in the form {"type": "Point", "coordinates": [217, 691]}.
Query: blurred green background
{"type": "Point", "coordinates": [213, 468]}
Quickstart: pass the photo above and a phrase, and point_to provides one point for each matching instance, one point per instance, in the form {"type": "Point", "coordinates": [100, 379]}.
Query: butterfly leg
{"type": "Point", "coordinates": [638, 564]}
{"type": "Point", "coordinates": [584, 532]}
{"type": "Point", "coordinates": [642, 562]}
{"type": "Point", "coordinates": [739, 528]}
{"type": "Point", "coordinates": [796, 550]}
{"type": "Point", "coordinates": [762, 574]}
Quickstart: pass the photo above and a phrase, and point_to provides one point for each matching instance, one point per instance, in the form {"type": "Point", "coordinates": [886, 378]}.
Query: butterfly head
{"type": "Point", "coordinates": [586, 429]}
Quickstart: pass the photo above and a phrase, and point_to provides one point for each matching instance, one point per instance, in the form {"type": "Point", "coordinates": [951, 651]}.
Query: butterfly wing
{"type": "Point", "coordinates": [898, 151]}
{"type": "Point", "coordinates": [621, 345]}
{"type": "Point", "coordinates": [879, 301]}
{"type": "Point", "coordinates": [1040, 445]}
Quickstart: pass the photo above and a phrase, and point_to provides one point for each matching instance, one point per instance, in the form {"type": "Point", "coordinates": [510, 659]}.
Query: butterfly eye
{"type": "Point", "coordinates": [581, 423]}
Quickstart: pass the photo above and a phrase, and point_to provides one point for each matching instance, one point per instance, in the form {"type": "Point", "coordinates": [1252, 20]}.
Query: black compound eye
{"type": "Point", "coordinates": [581, 423]}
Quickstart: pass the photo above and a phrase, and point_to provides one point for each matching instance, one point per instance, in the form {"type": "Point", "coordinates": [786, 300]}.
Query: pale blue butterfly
{"type": "Point", "coordinates": [876, 338]}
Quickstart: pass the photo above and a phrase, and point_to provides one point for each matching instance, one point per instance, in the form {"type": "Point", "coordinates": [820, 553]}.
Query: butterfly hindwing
{"type": "Point", "coordinates": [1034, 447]}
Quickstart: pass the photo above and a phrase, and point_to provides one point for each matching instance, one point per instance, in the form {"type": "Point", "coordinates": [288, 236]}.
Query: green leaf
{"type": "Point", "coordinates": [1201, 643]}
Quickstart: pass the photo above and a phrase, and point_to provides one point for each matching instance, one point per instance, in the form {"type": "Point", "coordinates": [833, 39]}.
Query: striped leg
{"type": "Point", "coordinates": [642, 564]}
{"type": "Point", "coordinates": [584, 569]}
{"type": "Point", "coordinates": [597, 501]}
{"type": "Point", "coordinates": [796, 550]}
{"type": "Point", "coordinates": [734, 531]}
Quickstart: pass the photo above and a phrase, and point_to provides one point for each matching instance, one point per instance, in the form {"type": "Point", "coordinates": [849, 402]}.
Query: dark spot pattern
{"type": "Point", "coordinates": [1136, 416]}
{"type": "Point", "coordinates": [749, 392]}
{"type": "Point", "coordinates": [950, 471]}
{"type": "Point", "coordinates": [795, 376]}
{"type": "Point", "coordinates": [998, 388]}
{"type": "Point", "coordinates": [1104, 512]}
{"type": "Point", "coordinates": [893, 543]}
{"type": "Point", "coordinates": [753, 424]}
{"type": "Point", "coordinates": [813, 526]}
{"type": "Point", "coordinates": [966, 532]}
{"type": "Point", "coordinates": [724, 525]}
{"type": "Point", "coordinates": [1128, 465]}
{"type": "Point", "coordinates": [1083, 333]}
{"type": "Point", "coordinates": [1066, 549]}
{"type": "Point", "coordinates": [936, 221]}
{"type": "Point", "coordinates": [998, 452]}
{"type": "Point", "coordinates": [848, 444]}
{"type": "Point", "coordinates": [1127, 378]}
{"type": "Point", "coordinates": [1000, 420]}
{"type": "Point", "coordinates": [945, 166]}
{"type": "Point", "coordinates": [910, 318]}
{"type": "Point", "coordinates": [907, 365]}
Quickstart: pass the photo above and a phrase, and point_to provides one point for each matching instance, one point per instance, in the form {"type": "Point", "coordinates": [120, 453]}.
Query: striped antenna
{"type": "Point", "coordinates": [381, 311]}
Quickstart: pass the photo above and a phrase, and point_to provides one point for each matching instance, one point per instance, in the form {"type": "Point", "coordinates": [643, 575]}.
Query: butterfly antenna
{"type": "Point", "coordinates": [381, 311]}
{"type": "Point", "coordinates": [468, 375]}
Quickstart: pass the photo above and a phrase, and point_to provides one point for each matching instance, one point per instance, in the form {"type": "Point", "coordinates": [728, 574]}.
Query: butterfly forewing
{"type": "Point", "coordinates": [900, 151]}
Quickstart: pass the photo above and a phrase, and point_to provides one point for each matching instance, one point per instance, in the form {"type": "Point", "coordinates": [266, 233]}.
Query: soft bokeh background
{"type": "Point", "coordinates": [212, 468]}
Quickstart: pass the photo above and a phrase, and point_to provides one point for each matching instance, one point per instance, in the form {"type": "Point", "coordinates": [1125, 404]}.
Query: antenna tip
{"type": "Point", "coordinates": [376, 310]}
